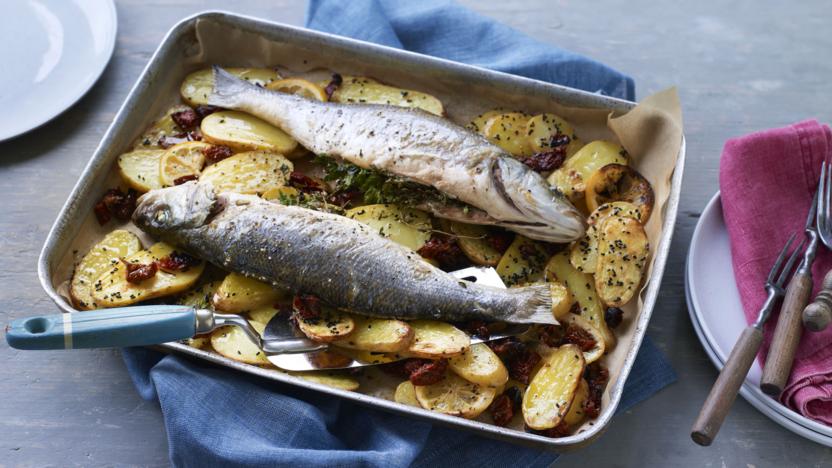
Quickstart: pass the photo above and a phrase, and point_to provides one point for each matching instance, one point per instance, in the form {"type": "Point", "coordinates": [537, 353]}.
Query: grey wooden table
{"type": "Point", "coordinates": [741, 66]}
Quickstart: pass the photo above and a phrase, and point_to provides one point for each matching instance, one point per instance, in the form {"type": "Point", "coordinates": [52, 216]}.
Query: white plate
{"type": "Point", "coordinates": [716, 312]}
{"type": "Point", "coordinates": [53, 52]}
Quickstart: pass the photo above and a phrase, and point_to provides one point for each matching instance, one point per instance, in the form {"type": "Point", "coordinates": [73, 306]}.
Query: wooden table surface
{"type": "Point", "coordinates": [740, 66]}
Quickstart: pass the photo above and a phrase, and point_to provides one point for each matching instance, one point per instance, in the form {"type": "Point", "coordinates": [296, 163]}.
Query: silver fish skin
{"type": "Point", "coordinates": [342, 261]}
{"type": "Point", "coordinates": [416, 145]}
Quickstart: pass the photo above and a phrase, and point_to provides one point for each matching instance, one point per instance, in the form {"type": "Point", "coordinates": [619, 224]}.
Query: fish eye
{"type": "Point", "coordinates": [161, 216]}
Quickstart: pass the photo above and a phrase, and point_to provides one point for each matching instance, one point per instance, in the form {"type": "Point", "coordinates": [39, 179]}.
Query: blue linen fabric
{"type": "Point", "coordinates": [218, 417]}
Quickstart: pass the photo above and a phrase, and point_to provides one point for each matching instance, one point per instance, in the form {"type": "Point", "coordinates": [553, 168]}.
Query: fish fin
{"type": "Point", "coordinates": [538, 305]}
{"type": "Point", "coordinates": [227, 88]}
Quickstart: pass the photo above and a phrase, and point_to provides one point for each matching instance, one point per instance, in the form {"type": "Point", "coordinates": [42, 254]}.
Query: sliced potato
{"type": "Point", "coordinates": [253, 172]}
{"type": "Point", "coordinates": [562, 299]}
{"type": "Point", "coordinates": [508, 131]}
{"type": "Point", "coordinates": [617, 182]}
{"type": "Point", "coordinates": [199, 85]}
{"type": "Point", "coordinates": [244, 132]}
{"type": "Point", "coordinates": [523, 262]}
{"type": "Point", "coordinates": [542, 129]}
{"type": "Point", "coordinates": [101, 258]}
{"type": "Point", "coordinates": [622, 255]}
{"type": "Point", "coordinates": [140, 169]}
{"type": "Point", "coordinates": [597, 351]}
{"type": "Point", "coordinates": [406, 394]}
{"type": "Point", "coordinates": [576, 414]}
{"type": "Point", "coordinates": [238, 293]}
{"type": "Point", "coordinates": [471, 239]}
{"type": "Point", "coordinates": [182, 160]}
{"type": "Point", "coordinates": [113, 290]}
{"type": "Point", "coordinates": [455, 396]}
{"type": "Point", "coordinates": [478, 364]}
{"type": "Point", "coordinates": [582, 286]}
{"type": "Point", "coordinates": [370, 356]}
{"type": "Point", "coordinates": [357, 89]}
{"type": "Point", "coordinates": [329, 359]}
{"type": "Point", "coordinates": [280, 193]}
{"type": "Point", "coordinates": [377, 335]}
{"type": "Point", "coordinates": [234, 344]}
{"type": "Point", "coordinates": [199, 297]}
{"type": "Point", "coordinates": [553, 388]}
{"type": "Point", "coordinates": [300, 87]}
{"type": "Point", "coordinates": [571, 178]}
{"type": "Point", "coordinates": [434, 340]}
{"type": "Point", "coordinates": [405, 226]}
{"type": "Point", "coordinates": [584, 252]}
{"type": "Point", "coordinates": [263, 314]}
{"type": "Point", "coordinates": [330, 379]}
{"type": "Point", "coordinates": [162, 129]}
{"type": "Point", "coordinates": [330, 326]}
{"type": "Point", "coordinates": [478, 124]}
{"type": "Point", "coordinates": [198, 342]}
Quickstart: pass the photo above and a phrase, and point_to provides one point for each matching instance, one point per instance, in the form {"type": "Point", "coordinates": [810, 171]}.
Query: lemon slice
{"type": "Point", "coordinates": [182, 160]}
{"type": "Point", "coordinates": [300, 87]}
{"type": "Point", "coordinates": [406, 394]}
{"type": "Point", "coordinates": [455, 396]}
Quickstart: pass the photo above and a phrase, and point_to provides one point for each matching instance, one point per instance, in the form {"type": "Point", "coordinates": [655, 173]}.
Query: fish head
{"type": "Point", "coordinates": [167, 210]}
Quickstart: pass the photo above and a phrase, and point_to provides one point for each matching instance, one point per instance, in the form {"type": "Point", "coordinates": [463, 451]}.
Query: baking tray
{"type": "Point", "coordinates": [181, 52]}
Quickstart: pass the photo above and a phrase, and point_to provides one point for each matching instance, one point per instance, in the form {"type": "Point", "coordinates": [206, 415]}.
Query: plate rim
{"type": "Point", "coordinates": [779, 413]}
{"type": "Point", "coordinates": [57, 111]}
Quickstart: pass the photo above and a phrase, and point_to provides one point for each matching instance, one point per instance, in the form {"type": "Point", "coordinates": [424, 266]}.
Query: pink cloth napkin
{"type": "Point", "coordinates": [767, 181]}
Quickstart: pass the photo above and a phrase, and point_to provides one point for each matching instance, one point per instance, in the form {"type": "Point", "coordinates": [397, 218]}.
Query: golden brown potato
{"type": "Point", "coordinates": [478, 124]}
{"type": "Point", "coordinates": [330, 379]}
{"type": "Point", "coordinates": [542, 131]}
{"type": "Point", "coordinates": [113, 290]}
{"type": "Point", "coordinates": [101, 258]}
{"type": "Point", "coordinates": [523, 262]}
{"type": "Point", "coordinates": [252, 173]}
{"type": "Point", "coordinates": [140, 169]}
{"type": "Point", "coordinates": [576, 414]}
{"type": "Point", "coordinates": [434, 340]}
{"type": "Point", "coordinates": [198, 86]}
{"type": "Point", "coordinates": [331, 325]}
{"type": "Point", "coordinates": [584, 252]}
{"type": "Point", "coordinates": [617, 182]}
{"type": "Point", "coordinates": [471, 239]}
{"type": "Point", "coordinates": [622, 255]}
{"type": "Point", "coordinates": [478, 364]}
{"type": "Point", "coordinates": [553, 388]}
{"type": "Point", "coordinates": [358, 89]}
{"type": "Point", "coordinates": [562, 299]}
{"type": "Point", "coordinates": [238, 293]}
{"type": "Point", "coordinates": [200, 296]}
{"type": "Point", "coordinates": [455, 396]}
{"type": "Point", "coordinates": [244, 132]}
{"type": "Point", "coordinates": [405, 226]}
{"type": "Point", "coordinates": [571, 178]}
{"type": "Point", "coordinates": [508, 131]}
{"type": "Point", "coordinates": [377, 335]}
{"type": "Point", "coordinates": [233, 343]}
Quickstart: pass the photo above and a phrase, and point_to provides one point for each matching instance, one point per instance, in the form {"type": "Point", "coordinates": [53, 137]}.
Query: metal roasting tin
{"type": "Point", "coordinates": [248, 41]}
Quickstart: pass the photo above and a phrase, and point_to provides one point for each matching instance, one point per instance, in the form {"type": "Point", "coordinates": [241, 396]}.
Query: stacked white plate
{"type": "Point", "coordinates": [717, 316]}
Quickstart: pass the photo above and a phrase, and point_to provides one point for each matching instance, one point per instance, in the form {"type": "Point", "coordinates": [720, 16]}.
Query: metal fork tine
{"type": "Point", "coordinates": [779, 261]}
{"type": "Point", "coordinates": [826, 197]}
{"type": "Point", "coordinates": [823, 199]}
{"type": "Point", "coordinates": [781, 280]}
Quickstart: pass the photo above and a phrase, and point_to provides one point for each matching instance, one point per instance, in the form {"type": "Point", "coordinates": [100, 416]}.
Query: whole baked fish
{"type": "Point", "coordinates": [342, 261]}
{"type": "Point", "coordinates": [418, 146]}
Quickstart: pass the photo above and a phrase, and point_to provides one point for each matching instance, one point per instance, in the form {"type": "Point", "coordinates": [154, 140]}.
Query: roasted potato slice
{"type": "Point", "coordinates": [617, 182]}
{"type": "Point", "coordinates": [101, 258]}
{"type": "Point", "coordinates": [280, 193]}
{"type": "Point", "coordinates": [576, 414]}
{"type": "Point", "coordinates": [182, 160]}
{"type": "Point", "coordinates": [331, 325]}
{"type": "Point", "coordinates": [508, 131]}
{"type": "Point", "coordinates": [233, 343]}
{"type": "Point", "coordinates": [584, 252]}
{"type": "Point", "coordinates": [622, 255]}
{"type": "Point", "coordinates": [140, 169]}
{"type": "Point", "coordinates": [553, 388]}
{"type": "Point", "coordinates": [358, 89]}
{"type": "Point", "coordinates": [199, 85]}
{"type": "Point", "coordinates": [263, 314]}
{"type": "Point", "coordinates": [199, 297]}
{"type": "Point", "coordinates": [253, 172]}
{"type": "Point", "coordinates": [523, 262]}
{"type": "Point", "coordinates": [434, 340]}
{"type": "Point", "coordinates": [244, 132]}
{"type": "Point", "coordinates": [562, 299]}
{"type": "Point", "coordinates": [471, 239]}
{"type": "Point", "coordinates": [330, 379]}
{"type": "Point", "coordinates": [571, 178]}
{"type": "Point", "coordinates": [163, 129]}
{"type": "Point", "coordinates": [455, 396]}
{"type": "Point", "coordinates": [478, 124]}
{"type": "Point", "coordinates": [543, 131]}
{"type": "Point", "coordinates": [238, 293]}
{"type": "Point", "coordinates": [113, 290]}
{"type": "Point", "coordinates": [300, 87]}
{"type": "Point", "coordinates": [597, 351]}
{"type": "Point", "coordinates": [406, 394]}
{"type": "Point", "coordinates": [377, 335]}
{"type": "Point", "coordinates": [370, 356]}
{"type": "Point", "coordinates": [582, 286]}
{"type": "Point", "coordinates": [405, 226]}
{"type": "Point", "coordinates": [478, 364]}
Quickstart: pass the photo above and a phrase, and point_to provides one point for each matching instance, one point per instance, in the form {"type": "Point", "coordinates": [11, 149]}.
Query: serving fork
{"type": "Point", "coordinates": [818, 314]}
{"type": "Point", "coordinates": [724, 391]}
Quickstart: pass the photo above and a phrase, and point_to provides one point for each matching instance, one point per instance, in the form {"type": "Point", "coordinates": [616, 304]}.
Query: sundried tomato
{"type": "Point", "coordinates": [613, 316]}
{"type": "Point", "coordinates": [516, 397]}
{"type": "Point", "coordinates": [102, 214]}
{"type": "Point", "coordinates": [304, 183]}
{"type": "Point", "coordinates": [185, 178]}
{"type": "Point", "coordinates": [216, 153]}
{"type": "Point", "coordinates": [507, 348]}
{"type": "Point", "coordinates": [520, 368]}
{"type": "Point", "coordinates": [138, 272]}
{"type": "Point", "coordinates": [206, 110]}
{"type": "Point", "coordinates": [579, 337]}
{"type": "Point", "coordinates": [561, 430]}
{"type": "Point", "coordinates": [499, 240]}
{"type": "Point", "coordinates": [425, 371]}
{"type": "Point", "coordinates": [186, 119]}
{"type": "Point", "coordinates": [445, 250]}
{"type": "Point", "coordinates": [551, 335]}
{"type": "Point", "coordinates": [597, 378]}
{"type": "Point", "coordinates": [575, 309]}
{"type": "Point", "coordinates": [177, 261]}
{"type": "Point", "coordinates": [547, 160]}
{"type": "Point", "coordinates": [307, 306]}
{"type": "Point", "coordinates": [120, 204]}
{"type": "Point", "coordinates": [333, 85]}
{"type": "Point", "coordinates": [502, 410]}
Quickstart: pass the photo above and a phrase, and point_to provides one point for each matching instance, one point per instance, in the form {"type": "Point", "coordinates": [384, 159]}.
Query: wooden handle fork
{"type": "Point", "coordinates": [818, 314]}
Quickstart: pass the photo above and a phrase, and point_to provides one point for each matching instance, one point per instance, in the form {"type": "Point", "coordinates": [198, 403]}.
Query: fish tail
{"type": "Point", "coordinates": [227, 89]}
{"type": "Point", "coordinates": [536, 305]}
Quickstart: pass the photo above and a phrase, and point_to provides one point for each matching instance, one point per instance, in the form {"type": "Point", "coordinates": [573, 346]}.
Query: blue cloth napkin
{"type": "Point", "coordinates": [218, 417]}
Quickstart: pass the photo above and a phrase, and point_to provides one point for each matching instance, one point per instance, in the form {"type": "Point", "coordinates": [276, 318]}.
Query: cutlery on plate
{"type": "Point", "coordinates": [818, 314]}
{"type": "Point", "coordinates": [789, 329]}
{"type": "Point", "coordinates": [725, 389]}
